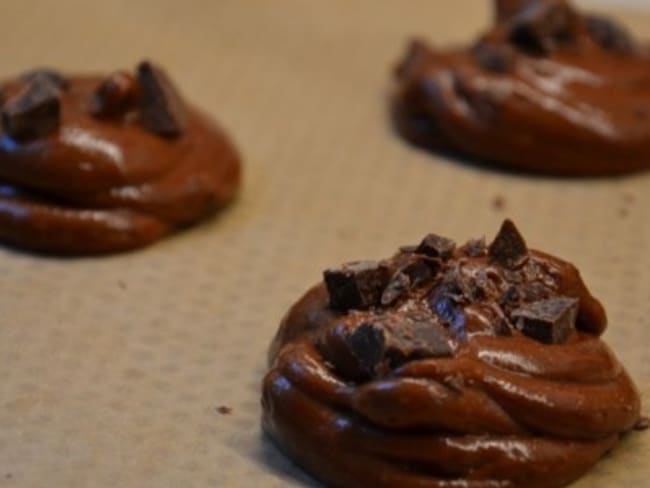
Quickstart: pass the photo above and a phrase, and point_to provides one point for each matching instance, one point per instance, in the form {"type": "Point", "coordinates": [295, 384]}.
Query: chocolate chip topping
{"type": "Point", "coordinates": [474, 247]}
{"type": "Point", "coordinates": [415, 336]}
{"type": "Point", "coordinates": [366, 345]}
{"type": "Point", "coordinates": [48, 75]}
{"type": "Point", "coordinates": [356, 285]}
{"type": "Point", "coordinates": [116, 95]}
{"type": "Point", "coordinates": [161, 107]}
{"type": "Point", "coordinates": [609, 34]}
{"type": "Point", "coordinates": [508, 248]}
{"type": "Point", "coordinates": [34, 111]}
{"type": "Point", "coordinates": [436, 246]}
{"type": "Point", "coordinates": [497, 58]}
{"type": "Point", "coordinates": [549, 321]}
{"type": "Point", "coordinates": [416, 271]}
{"type": "Point", "coordinates": [541, 27]}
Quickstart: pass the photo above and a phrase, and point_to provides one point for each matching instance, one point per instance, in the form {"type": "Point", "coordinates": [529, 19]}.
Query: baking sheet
{"type": "Point", "coordinates": [113, 370]}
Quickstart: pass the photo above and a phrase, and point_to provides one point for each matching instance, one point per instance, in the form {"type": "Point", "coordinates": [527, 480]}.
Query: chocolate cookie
{"type": "Point", "coordinates": [475, 365]}
{"type": "Point", "coordinates": [547, 90]}
{"type": "Point", "coordinates": [92, 164]}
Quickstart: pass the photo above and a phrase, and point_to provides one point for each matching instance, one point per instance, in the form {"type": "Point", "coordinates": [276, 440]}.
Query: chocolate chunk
{"type": "Point", "coordinates": [358, 352]}
{"type": "Point", "coordinates": [494, 57]}
{"type": "Point", "coordinates": [474, 248]}
{"type": "Point", "coordinates": [48, 75]}
{"type": "Point", "coordinates": [445, 303]}
{"type": "Point", "coordinates": [509, 297]}
{"type": "Point", "coordinates": [543, 26]}
{"type": "Point", "coordinates": [32, 112]}
{"type": "Point", "coordinates": [116, 95]}
{"type": "Point", "coordinates": [609, 34]}
{"type": "Point", "coordinates": [398, 286]}
{"type": "Point", "coordinates": [161, 106]}
{"type": "Point", "coordinates": [549, 321]}
{"type": "Point", "coordinates": [356, 285]}
{"type": "Point", "coordinates": [417, 271]}
{"type": "Point", "coordinates": [436, 246]}
{"type": "Point", "coordinates": [508, 248]}
{"type": "Point", "coordinates": [414, 337]}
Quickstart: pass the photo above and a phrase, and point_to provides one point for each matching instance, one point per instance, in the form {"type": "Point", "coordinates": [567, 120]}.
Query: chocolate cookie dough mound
{"type": "Point", "coordinates": [546, 90]}
{"type": "Point", "coordinates": [104, 164]}
{"type": "Point", "coordinates": [473, 366]}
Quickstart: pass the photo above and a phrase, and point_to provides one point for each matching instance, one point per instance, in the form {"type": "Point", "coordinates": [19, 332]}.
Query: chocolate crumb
{"type": "Point", "coordinates": [34, 111]}
{"type": "Point", "coordinates": [508, 248]}
{"type": "Point", "coordinates": [161, 107]}
{"type": "Point", "coordinates": [356, 285]}
{"type": "Point", "coordinates": [436, 246]}
{"type": "Point", "coordinates": [121, 284]}
{"type": "Point", "coordinates": [48, 75]}
{"type": "Point", "coordinates": [116, 95]}
{"type": "Point", "coordinates": [549, 321]}
{"type": "Point", "coordinates": [609, 35]}
{"type": "Point", "coordinates": [494, 57]}
{"type": "Point", "coordinates": [498, 203]}
{"type": "Point", "coordinates": [623, 213]}
{"type": "Point", "coordinates": [474, 248]}
{"type": "Point", "coordinates": [224, 410]}
{"type": "Point", "coordinates": [543, 26]}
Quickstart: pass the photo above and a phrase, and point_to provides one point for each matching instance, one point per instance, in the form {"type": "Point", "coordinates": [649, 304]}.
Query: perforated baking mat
{"type": "Point", "coordinates": [143, 369]}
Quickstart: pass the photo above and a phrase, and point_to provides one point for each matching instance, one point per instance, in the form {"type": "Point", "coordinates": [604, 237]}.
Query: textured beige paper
{"type": "Point", "coordinates": [112, 369]}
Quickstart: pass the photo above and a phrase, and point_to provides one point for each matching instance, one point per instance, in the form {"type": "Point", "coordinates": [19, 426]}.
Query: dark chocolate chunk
{"type": "Point", "coordinates": [549, 321]}
{"type": "Point", "coordinates": [398, 286]}
{"type": "Point", "coordinates": [541, 27]}
{"type": "Point", "coordinates": [510, 296]}
{"type": "Point", "coordinates": [116, 95]}
{"type": "Point", "coordinates": [508, 248]}
{"type": "Point", "coordinates": [474, 248]}
{"type": "Point", "coordinates": [414, 337]}
{"type": "Point", "coordinates": [46, 74]}
{"type": "Point", "coordinates": [494, 57]}
{"type": "Point", "coordinates": [356, 285]}
{"type": "Point", "coordinates": [367, 344]}
{"type": "Point", "coordinates": [436, 246]}
{"type": "Point", "coordinates": [32, 112]}
{"type": "Point", "coordinates": [609, 34]}
{"type": "Point", "coordinates": [445, 303]}
{"type": "Point", "coordinates": [162, 109]}
{"type": "Point", "coordinates": [418, 270]}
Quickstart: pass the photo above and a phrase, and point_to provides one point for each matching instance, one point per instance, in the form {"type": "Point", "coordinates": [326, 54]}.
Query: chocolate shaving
{"type": "Point", "coordinates": [356, 285]}
{"type": "Point", "coordinates": [508, 248]}
{"type": "Point", "coordinates": [116, 95]}
{"type": "Point", "coordinates": [541, 27]}
{"type": "Point", "coordinates": [550, 321]}
{"type": "Point", "coordinates": [609, 34]}
{"type": "Point", "coordinates": [34, 111]}
{"type": "Point", "coordinates": [162, 109]}
{"type": "Point", "coordinates": [436, 246]}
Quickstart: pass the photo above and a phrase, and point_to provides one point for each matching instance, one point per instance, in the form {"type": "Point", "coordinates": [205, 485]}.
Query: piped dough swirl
{"type": "Point", "coordinates": [499, 409]}
{"type": "Point", "coordinates": [107, 183]}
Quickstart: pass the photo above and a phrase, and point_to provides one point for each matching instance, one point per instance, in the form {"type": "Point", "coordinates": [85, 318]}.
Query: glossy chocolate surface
{"type": "Point", "coordinates": [445, 385]}
{"type": "Point", "coordinates": [547, 90]}
{"type": "Point", "coordinates": [101, 180]}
